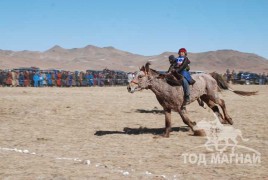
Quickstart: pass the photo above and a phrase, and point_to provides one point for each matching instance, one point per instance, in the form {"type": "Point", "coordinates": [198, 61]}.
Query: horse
{"type": "Point", "coordinates": [170, 97]}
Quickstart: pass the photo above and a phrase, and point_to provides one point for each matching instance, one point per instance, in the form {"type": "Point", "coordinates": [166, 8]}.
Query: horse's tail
{"type": "Point", "coordinates": [222, 84]}
{"type": "Point", "coordinates": [220, 81]}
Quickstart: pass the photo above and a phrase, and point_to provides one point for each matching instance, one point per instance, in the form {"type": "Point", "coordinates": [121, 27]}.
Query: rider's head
{"type": "Point", "coordinates": [172, 59]}
{"type": "Point", "coordinates": [182, 52]}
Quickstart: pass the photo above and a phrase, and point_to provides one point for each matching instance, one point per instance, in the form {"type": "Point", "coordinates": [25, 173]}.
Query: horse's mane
{"type": "Point", "coordinates": [155, 71]}
{"type": "Point", "coordinates": [167, 78]}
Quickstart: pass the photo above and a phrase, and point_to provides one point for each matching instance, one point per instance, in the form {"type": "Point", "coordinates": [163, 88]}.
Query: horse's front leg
{"type": "Point", "coordinates": [167, 122]}
{"type": "Point", "coordinates": [185, 118]}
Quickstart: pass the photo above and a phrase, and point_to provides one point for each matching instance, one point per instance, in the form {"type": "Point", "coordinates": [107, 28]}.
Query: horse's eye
{"type": "Point", "coordinates": [139, 76]}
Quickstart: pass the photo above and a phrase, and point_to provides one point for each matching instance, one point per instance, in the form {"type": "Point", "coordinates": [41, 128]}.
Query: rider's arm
{"type": "Point", "coordinates": [185, 63]}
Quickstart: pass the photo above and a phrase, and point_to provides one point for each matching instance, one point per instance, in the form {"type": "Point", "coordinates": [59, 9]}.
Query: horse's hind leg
{"type": "Point", "coordinates": [223, 107]}
{"type": "Point", "coordinates": [201, 103]}
{"type": "Point", "coordinates": [214, 107]}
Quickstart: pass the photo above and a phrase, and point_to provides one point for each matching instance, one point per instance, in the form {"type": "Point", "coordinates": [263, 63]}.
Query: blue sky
{"type": "Point", "coordinates": [145, 27]}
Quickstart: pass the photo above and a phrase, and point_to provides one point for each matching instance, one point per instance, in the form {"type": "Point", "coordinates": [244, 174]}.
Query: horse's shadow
{"type": "Point", "coordinates": [154, 111]}
{"type": "Point", "coordinates": [141, 130]}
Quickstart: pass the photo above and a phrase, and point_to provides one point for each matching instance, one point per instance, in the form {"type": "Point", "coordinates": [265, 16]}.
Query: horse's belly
{"type": "Point", "coordinates": [199, 87]}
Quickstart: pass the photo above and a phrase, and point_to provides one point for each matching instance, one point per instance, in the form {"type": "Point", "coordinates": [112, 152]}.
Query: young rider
{"type": "Point", "coordinates": [182, 67]}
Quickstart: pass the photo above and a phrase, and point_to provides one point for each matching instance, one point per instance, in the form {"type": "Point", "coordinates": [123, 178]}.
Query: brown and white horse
{"type": "Point", "coordinates": [170, 97]}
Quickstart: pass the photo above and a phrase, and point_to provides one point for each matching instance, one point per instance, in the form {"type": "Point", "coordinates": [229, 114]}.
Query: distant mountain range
{"type": "Point", "coordinates": [92, 57]}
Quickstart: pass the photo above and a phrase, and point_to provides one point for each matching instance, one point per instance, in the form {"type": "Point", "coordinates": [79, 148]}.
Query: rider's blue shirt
{"type": "Point", "coordinates": [184, 72]}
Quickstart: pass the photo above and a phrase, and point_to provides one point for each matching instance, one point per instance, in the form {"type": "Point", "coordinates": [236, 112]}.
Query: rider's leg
{"type": "Point", "coordinates": [186, 89]}
{"type": "Point", "coordinates": [188, 77]}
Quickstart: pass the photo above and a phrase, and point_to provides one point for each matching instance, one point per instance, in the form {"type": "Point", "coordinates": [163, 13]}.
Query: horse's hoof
{"type": "Point", "coordinates": [165, 135]}
{"type": "Point", "coordinates": [161, 136]}
{"type": "Point", "coordinates": [199, 132]}
{"type": "Point", "coordinates": [230, 121]}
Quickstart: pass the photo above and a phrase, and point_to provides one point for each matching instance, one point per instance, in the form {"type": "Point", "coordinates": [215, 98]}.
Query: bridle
{"type": "Point", "coordinates": [134, 82]}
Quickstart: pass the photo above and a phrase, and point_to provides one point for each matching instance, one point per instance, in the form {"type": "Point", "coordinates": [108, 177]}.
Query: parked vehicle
{"type": "Point", "coordinates": [22, 69]}
{"type": "Point", "coordinates": [197, 72]}
{"type": "Point", "coordinates": [246, 78]}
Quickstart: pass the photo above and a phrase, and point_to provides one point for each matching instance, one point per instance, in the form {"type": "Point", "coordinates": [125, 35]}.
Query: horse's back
{"type": "Point", "coordinates": [205, 84]}
{"type": "Point", "coordinates": [204, 78]}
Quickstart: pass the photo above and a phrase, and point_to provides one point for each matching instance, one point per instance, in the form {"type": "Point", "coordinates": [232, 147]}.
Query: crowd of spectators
{"type": "Point", "coordinates": [34, 77]}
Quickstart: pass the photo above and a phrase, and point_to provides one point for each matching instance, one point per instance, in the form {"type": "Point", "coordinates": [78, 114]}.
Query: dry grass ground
{"type": "Point", "coordinates": [107, 133]}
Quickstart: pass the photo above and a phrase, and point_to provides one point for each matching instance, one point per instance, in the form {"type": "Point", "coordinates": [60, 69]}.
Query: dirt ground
{"type": "Point", "coordinates": [108, 133]}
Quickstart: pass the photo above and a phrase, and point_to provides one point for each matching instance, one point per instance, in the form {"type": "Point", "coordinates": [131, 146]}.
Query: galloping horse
{"type": "Point", "coordinates": [170, 97]}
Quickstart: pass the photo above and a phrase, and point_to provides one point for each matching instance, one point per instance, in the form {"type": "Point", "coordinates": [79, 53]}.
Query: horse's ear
{"type": "Point", "coordinates": [142, 69]}
{"type": "Point", "coordinates": [147, 68]}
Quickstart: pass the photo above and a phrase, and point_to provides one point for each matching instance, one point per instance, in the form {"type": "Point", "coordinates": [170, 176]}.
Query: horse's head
{"type": "Point", "coordinates": [142, 80]}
